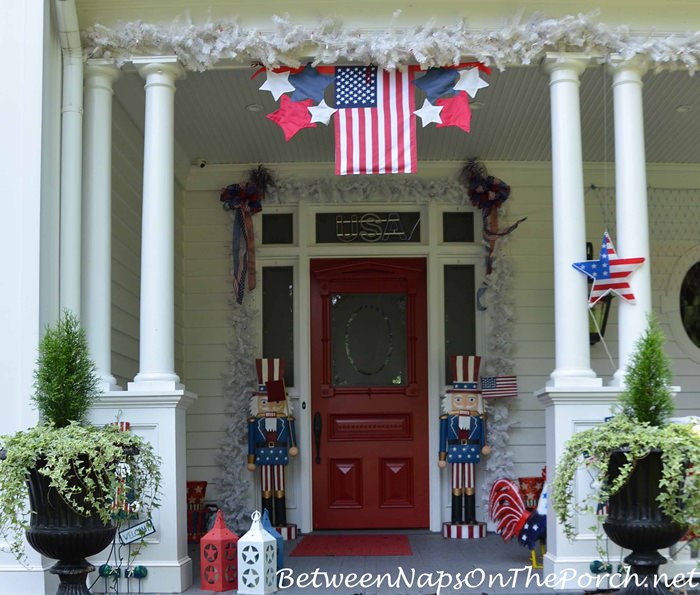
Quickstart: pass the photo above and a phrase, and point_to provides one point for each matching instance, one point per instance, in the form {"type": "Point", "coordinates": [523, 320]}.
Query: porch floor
{"type": "Point", "coordinates": [431, 555]}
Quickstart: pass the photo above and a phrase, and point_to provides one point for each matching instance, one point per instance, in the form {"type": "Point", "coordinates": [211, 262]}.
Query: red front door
{"type": "Point", "coordinates": [369, 393]}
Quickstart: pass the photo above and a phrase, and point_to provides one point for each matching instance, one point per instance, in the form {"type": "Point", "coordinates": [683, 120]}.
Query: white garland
{"type": "Point", "coordinates": [501, 313]}
{"type": "Point", "coordinates": [235, 479]}
{"type": "Point", "coordinates": [199, 47]}
{"type": "Point", "coordinates": [349, 189]}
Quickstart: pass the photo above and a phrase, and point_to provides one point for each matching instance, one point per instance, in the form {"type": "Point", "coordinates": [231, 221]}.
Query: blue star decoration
{"type": "Point", "coordinates": [609, 273]}
{"type": "Point", "coordinates": [309, 84]}
{"type": "Point", "coordinates": [438, 82]}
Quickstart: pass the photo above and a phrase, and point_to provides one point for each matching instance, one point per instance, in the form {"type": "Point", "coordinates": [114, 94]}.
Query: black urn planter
{"type": "Point", "coordinates": [57, 531]}
{"type": "Point", "coordinates": [635, 522]}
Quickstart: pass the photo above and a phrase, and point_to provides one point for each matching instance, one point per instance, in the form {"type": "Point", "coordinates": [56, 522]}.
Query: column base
{"type": "Point", "coordinates": [459, 531]}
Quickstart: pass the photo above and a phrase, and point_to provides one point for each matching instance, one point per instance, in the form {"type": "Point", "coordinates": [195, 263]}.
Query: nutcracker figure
{"type": "Point", "coordinates": [271, 436]}
{"type": "Point", "coordinates": [463, 437]}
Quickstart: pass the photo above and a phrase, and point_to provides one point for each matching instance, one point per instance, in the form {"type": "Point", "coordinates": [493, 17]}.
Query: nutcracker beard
{"type": "Point", "coordinates": [273, 490]}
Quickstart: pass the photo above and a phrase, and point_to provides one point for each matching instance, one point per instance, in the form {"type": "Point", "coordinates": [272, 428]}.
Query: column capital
{"type": "Point", "coordinates": [165, 65]}
{"type": "Point", "coordinates": [101, 67]}
{"type": "Point", "coordinates": [554, 61]}
{"type": "Point", "coordinates": [636, 64]}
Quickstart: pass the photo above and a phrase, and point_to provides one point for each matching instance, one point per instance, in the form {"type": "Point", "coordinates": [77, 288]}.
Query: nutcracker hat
{"type": "Point", "coordinates": [465, 372]}
{"type": "Point", "coordinates": [270, 373]}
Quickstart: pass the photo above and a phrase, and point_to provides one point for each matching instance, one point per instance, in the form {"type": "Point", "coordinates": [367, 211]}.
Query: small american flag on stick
{"type": "Point", "coordinates": [493, 387]}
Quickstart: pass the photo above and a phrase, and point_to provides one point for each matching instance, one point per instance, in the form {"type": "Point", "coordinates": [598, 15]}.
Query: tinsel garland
{"type": "Point", "coordinates": [235, 480]}
{"type": "Point", "coordinates": [199, 47]}
{"type": "Point", "coordinates": [501, 313]}
{"type": "Point", "coordinates": [368, 188]}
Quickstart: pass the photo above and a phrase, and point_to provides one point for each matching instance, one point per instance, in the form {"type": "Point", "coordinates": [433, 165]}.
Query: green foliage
{"type": "Point", "coordinates": [647, 397]}
{"type": "Point", "coordinates": [640, 426]}
{"type": "Point", "coordinates": [80, 460]}
{"type": "Point", "coordinates": [65, 452]}
{"type": "Point", "coordinates": [65, 381]}
{"type": "Point", "coordinates": [590, 449]}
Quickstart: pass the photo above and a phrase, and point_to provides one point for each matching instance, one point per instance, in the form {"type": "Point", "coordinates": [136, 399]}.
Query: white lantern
{"type": "Point", "coordinates": [257, 560]}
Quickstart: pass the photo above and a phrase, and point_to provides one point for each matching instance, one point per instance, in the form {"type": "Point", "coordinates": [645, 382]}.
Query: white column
{"type": "Point", "coordinates": [97, 220]}
{"type": "Point", "coordinates": [631, 204]}
{"type": "Point", "coordinates": [157, 313]}
{"type": "Point", "coordinates": [71, 182]}
{"type": "Point", "coordinates": [572, 349]}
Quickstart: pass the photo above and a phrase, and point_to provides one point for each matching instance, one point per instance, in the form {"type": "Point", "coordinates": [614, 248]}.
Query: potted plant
{"type": "Point", "coordinates": [646, 467]}
{"type": "Point", "coordinates": [81, 479]}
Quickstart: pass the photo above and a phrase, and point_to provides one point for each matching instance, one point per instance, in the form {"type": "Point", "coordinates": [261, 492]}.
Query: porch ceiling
{"type": "Point", "coordinates": [512, 122]}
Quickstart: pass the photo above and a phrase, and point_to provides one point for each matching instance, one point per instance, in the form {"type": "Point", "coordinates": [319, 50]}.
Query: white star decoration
{"type": "Point", "coordinates": [470, 82]}
{"type": "Point", "coordinates": [321, 112]}
{"type": "Point", "coordinates": [429, 113]}
{"type": "Point", "coordinates": [277, 83]}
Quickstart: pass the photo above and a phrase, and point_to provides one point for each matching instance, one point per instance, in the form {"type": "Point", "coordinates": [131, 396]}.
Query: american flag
{"type": "Point", "coordinates": [375, 127]}
{"type": "Point", "coordinates": [609, 273]}
{"type": "Point", "coordinates": [493, 387]}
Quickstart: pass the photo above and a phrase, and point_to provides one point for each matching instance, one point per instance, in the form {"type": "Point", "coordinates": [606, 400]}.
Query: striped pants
{"type": "Point", "coordinates": [272, 477]}
{"type": "Point", "coordinates": [463, 476]}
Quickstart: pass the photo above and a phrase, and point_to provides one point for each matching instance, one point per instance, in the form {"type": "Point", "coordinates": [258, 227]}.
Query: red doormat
{"type": "Point", "coordinates": [353, 545]}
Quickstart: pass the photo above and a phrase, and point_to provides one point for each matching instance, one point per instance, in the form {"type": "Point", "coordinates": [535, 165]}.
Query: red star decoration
{"type": "Point", "coordinates": [455, 111]}
{"type": "Point", "coordinates": [292, 116]}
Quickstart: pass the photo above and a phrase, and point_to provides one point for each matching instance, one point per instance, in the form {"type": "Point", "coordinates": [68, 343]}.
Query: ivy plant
{"type": "Point", "coordinates": [640, 426]}
{"type": "Point", "coordinates": [96, 470]}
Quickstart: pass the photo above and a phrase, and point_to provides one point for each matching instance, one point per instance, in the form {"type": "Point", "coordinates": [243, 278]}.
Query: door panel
{"type": "Point", "coordinates": [369, 385]}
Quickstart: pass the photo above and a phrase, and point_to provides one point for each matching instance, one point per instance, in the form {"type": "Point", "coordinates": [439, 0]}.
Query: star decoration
{"type": "Point", "coordinates": [321, 112]}
{"type": "Point", "coordinates": [250, 554]}
{"type": "Point", "coordinates": [210, 552]}
{"type": "Point", "coordinates": [277, 83]}
{"type": "Point", "coordinates": [437, 82]}
{"type": "Point", "coordinates": [309, 84]}
{"type": "Point", "coordinates": [211, 574]}
{"type": "Point", "coordinates": [429, 113]}
{"type": "Point", "coordinates": [609, 272]}
{"type": "Point", "coordinates": [456, 112]}
{"type": "Point", "coordinates": [250, 577]}
{"type": "Point", "coordinates": [292, 116]}
{"type": "Point", "coordinates": [470, 82]}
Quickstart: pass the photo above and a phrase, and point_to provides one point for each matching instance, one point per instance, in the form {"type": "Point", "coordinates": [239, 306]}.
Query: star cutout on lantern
{"type": "Point", "coordinates": [321, 112]}
{"type": "Point", "coordinates": [309, 84]}
{"type": "Point", "coordinates": [211, 574]}
{"type": "Point", "coordinates": [250, 554]}
{"type": "Point", "coordinates": [277, 83]}
{"type": "Point", "coordinates": [456, 112]}
{"type": "Point", "coordinates": [609, 272]}
{"type": "Point", "coordinates": [429, 113]}
{"type": "Point", "coordinates": [292, 116]}
{"type": "Point", "coordinates": [437, 82]}
{"type": "Point", "coordinates": [470, 82]}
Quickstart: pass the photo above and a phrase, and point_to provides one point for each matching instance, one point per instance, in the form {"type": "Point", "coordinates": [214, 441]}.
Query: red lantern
{"type": "Point", "coordinates": [219, 558]}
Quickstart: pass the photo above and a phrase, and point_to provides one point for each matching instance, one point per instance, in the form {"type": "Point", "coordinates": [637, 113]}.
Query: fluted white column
{"type": "Point", "coordinates": [157, 313]}
{"type": "Point", "coordinates": [97, 216]}
{"type": "Point", "coordinates": [572, 349]}
{"type": "Point", "coordinates": [632, 218]}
